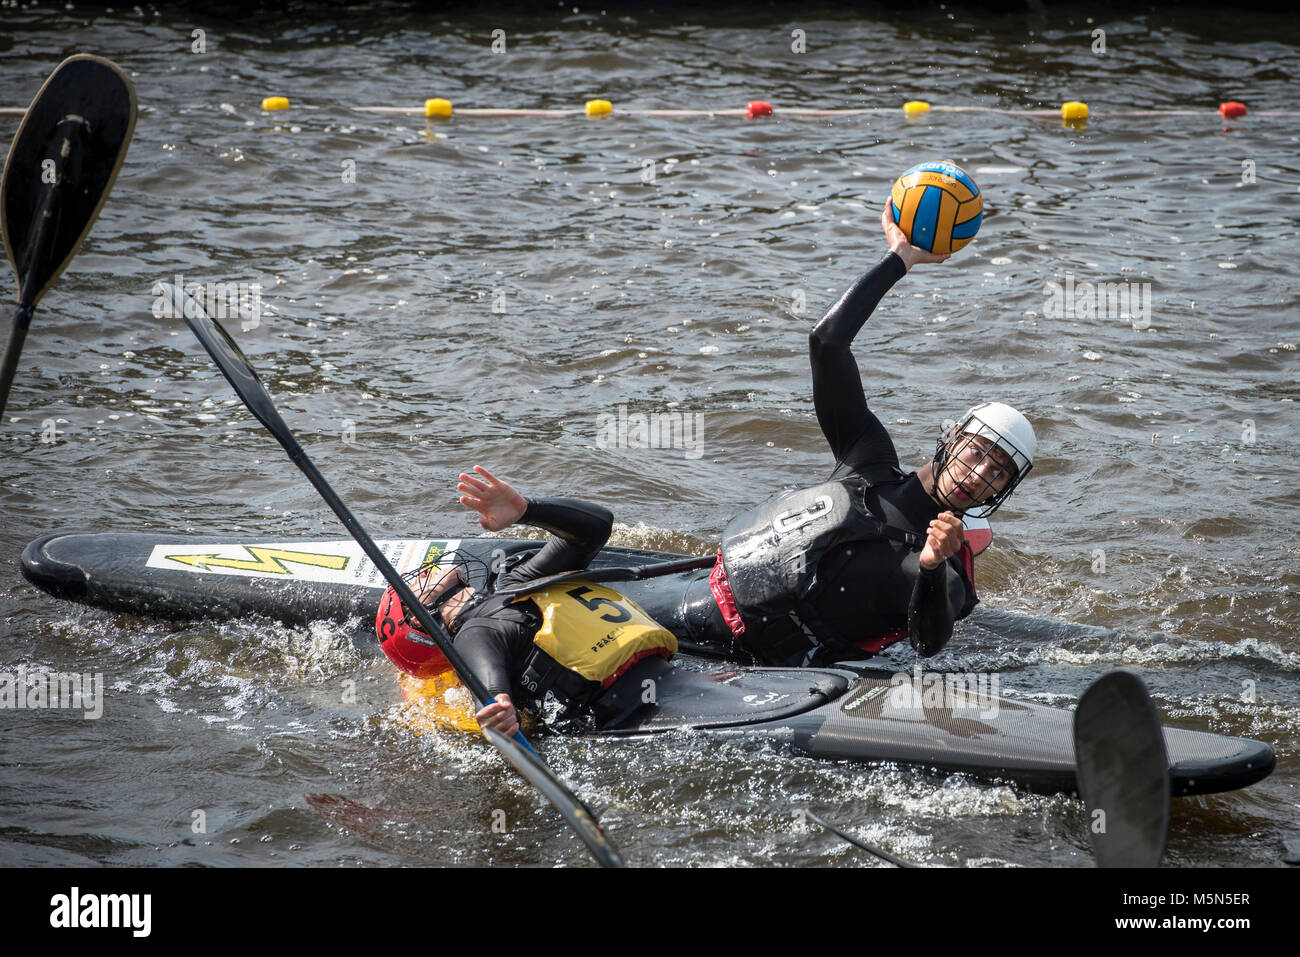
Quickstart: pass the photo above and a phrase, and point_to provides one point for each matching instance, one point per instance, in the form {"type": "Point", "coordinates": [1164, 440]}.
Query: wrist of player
{"type": "Point", "coordinates": [906, 252]}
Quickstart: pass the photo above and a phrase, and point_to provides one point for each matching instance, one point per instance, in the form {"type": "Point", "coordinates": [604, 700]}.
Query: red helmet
{"type": "Point", "coordinates": [418, 658]}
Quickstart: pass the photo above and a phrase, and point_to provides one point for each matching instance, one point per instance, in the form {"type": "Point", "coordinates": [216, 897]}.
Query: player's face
{"type": "Point", "coordinates": [976, 471]}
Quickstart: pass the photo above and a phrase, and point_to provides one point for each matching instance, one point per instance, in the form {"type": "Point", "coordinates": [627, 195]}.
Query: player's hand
{"type": "Point", "coordinates": [500, 715]}
{"type": "Point", "coordinates": [943, 539]}
{"type": "Point", "coordinates": [898, 244]}
{"type": "Point", "coordinates": [498, 504]}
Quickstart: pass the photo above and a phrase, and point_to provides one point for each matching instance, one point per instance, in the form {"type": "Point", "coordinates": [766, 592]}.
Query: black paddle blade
{"type": "Point", "coordinates": [1123, 771]}
{"type": "Point", "coordinates": [577, 814]}
{"type": "Point", "coordinates": [229, 358]}
{"type": "Point", "coordinates": [61, 166]}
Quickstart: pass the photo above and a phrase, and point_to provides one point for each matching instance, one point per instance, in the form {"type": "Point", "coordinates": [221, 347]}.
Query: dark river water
{"type": "Point", "coordinates": [483, 290]}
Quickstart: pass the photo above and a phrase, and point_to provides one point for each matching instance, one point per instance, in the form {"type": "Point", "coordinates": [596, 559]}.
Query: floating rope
{"type": "Point", "coordinates": [1073, 111]}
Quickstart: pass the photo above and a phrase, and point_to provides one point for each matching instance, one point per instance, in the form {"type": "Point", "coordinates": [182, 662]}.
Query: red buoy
{"type": "Point", "coordinates": [758, 108]}
{"type": "Point", "coordinates": [1232, 109]}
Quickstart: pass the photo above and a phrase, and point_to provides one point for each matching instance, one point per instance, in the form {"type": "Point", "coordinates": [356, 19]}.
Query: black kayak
{"type": "Point", "coordinates": [952, 723]}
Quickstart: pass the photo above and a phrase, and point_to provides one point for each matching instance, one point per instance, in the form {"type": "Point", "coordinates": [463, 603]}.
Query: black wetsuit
{"type": "Point", "coordinates": [496, 643]}
{"type": "Point", "coordinates": [866, 589]}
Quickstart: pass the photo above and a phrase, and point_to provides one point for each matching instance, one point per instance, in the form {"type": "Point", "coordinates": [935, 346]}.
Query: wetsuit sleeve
{"type": "Point", "coordinates": [579, 530]}
{"type": "Point", "coordinates": [856, 436]}
{"type": "Point", "coordinates": [488, 645]}
{"type": "Point", "coordinates": [939, 597]}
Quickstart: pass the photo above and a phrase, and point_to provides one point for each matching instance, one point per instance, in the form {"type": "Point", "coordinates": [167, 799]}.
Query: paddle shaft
{"type": "Point", "coordinates": [526, 760]}
{"type": "Point", "coordinates": [13, 349]}
{"type": "Point", "coordinates": [28, 293]}
{"type": "Point", "coordinates": [239, 372]}
{"type": "Point", "coordinates": [538, 773]}
{"type": "Point", "coordinates": [630, 573]}
{"type": "Point", "coordinates": [870, 849]}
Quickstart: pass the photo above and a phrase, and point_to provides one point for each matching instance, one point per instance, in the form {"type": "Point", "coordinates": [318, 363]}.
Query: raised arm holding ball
{"type": "Point", "coordinates": [843, 569]}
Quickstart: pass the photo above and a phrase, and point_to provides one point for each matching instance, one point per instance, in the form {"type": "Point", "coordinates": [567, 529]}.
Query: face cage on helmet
{"type": "Point", "coordinates": [469, 567]}
{"type": "Point", "coordinates": [944, 454]}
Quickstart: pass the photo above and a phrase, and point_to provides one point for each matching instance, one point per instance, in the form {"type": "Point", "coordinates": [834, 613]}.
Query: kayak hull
{"type": "Point", "coordinates": [945, 722]}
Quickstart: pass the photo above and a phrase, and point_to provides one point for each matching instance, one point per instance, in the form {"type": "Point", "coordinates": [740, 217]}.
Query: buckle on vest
{"type": "Point", "coordinates": [798, 518]}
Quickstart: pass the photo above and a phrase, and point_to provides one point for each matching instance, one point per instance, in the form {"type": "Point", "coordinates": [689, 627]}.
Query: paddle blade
{"type": "Point", "coordinates": [574, 811]}
{"type": "Point", "coordinates": [1123, 772]}
{"type": "Point", "coordinates": [227, 355]}
{"type": "Point", "coordinates": [61, 166]}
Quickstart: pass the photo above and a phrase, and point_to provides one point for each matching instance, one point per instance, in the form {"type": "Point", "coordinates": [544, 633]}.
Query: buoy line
{"type": "Point", "coordinates": [1072, 111]}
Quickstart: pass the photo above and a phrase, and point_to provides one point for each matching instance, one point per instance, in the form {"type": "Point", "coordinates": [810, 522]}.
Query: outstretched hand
{"type": "Point", "coordinates": [498, 504]}
{"type": "Point", "coordinates": [898, 244]}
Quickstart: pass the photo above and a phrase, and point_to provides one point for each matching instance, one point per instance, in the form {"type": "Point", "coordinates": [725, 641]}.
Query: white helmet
{"type": "Point", "coordinates": [1004, 427]}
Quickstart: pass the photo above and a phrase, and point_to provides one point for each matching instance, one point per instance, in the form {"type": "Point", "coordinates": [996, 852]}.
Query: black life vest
{"type": "Point", "coordinates": [771, 554]}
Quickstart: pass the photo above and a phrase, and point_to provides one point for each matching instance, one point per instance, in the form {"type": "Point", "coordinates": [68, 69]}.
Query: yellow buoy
{"type": "Point", "coordinates": [1074, 110]}
{"type": "Point", "coordinates": [437, 107]}
{"type": "Point", "coordinates": [599, 107]}
{"type": "Point", "coordinates": [275, 103]}
{"type": "Point", "coordinates": [915, 107]}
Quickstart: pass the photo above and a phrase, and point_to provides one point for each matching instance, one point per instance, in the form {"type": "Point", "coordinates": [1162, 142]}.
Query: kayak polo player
{"type": "Point", "coordinates": [871, 556]}
{"type": "Point", "coordinates": [835, 572]}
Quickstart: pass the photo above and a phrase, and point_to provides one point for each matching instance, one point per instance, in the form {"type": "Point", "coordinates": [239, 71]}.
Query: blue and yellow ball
{"type": "Point", "coordinates": [937, 206]}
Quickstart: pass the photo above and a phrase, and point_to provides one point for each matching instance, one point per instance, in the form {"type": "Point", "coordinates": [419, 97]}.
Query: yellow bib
{"type": "Point", "coordinates": [595, 631]}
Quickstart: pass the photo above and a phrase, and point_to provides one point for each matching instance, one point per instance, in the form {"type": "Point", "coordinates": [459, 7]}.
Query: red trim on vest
{"type": "Point", "coordinates": [721, 589]}
{"type": "Point", "coordinates": [968, 561]}
{"type": "Point", "coordinates": [879, 642]}
{"type": "Point", "coordinates": [645, 653]}
{"type": "Point", "coordinates": [978, 539]}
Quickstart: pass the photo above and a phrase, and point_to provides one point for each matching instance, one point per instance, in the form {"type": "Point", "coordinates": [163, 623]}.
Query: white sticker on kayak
{"type": "Point", "coordinates": [340, 562]}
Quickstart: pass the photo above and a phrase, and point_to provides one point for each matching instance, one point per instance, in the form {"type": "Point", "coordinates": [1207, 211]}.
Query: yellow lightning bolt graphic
{"type": "Point", "coordinates": [268, 560]}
